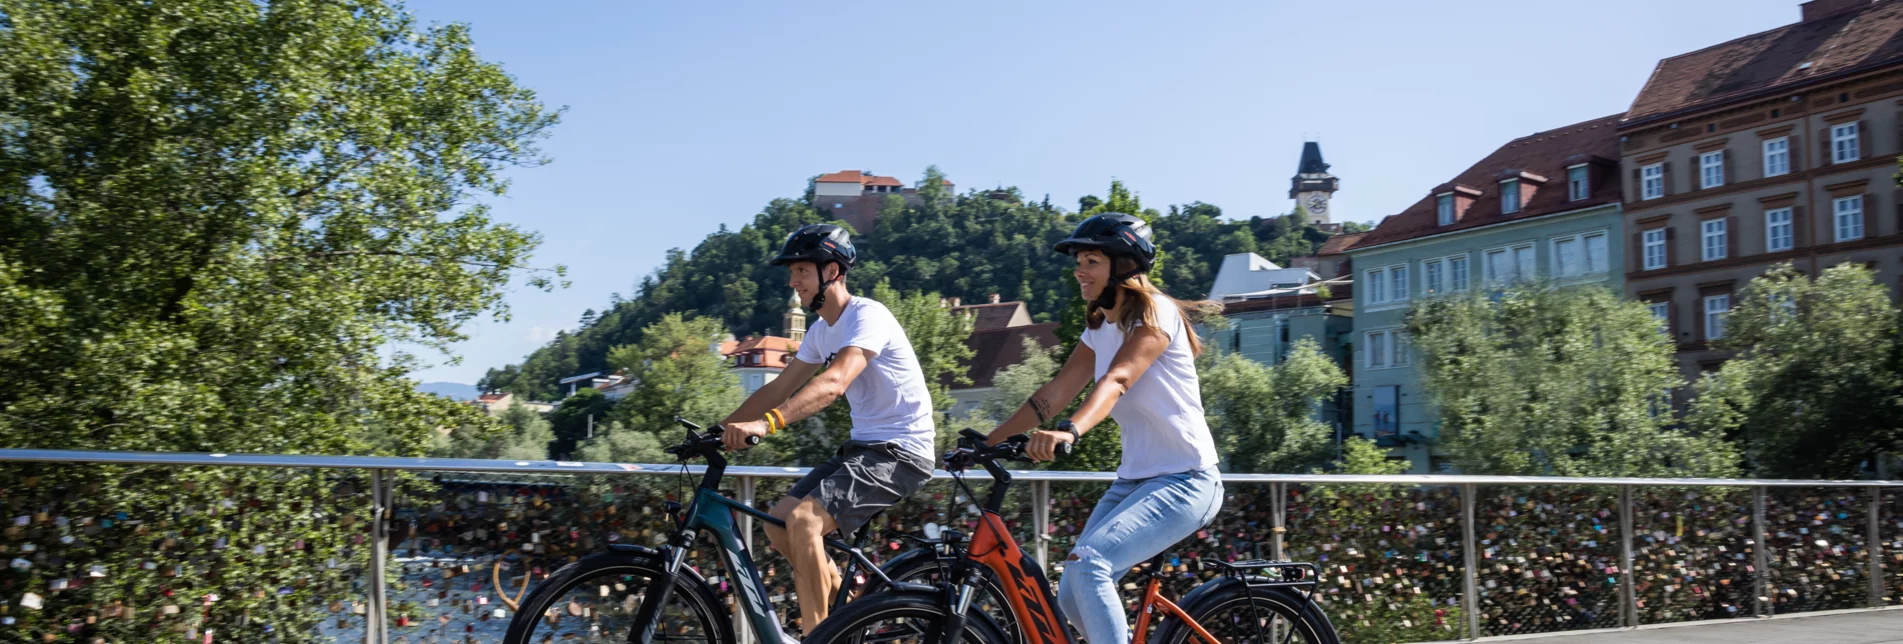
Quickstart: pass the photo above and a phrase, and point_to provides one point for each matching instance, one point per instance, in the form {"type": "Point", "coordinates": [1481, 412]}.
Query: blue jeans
{"type": "Point", "coordinates": [1132, 522]}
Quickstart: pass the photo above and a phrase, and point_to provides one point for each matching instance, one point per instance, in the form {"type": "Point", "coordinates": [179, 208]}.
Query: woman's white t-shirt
{"type": "Point", "coordinates": [1162, 414]}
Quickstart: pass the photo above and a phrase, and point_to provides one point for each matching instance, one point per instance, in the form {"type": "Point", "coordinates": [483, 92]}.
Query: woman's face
{"type": "Point", "coordinates": [1093, 273]}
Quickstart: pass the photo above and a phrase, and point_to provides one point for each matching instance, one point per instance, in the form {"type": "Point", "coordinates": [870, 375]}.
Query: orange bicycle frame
{"type": "Point", "coordinates": [1153, 599]}
{"type": "Point", "coordinates": [1025, 587]}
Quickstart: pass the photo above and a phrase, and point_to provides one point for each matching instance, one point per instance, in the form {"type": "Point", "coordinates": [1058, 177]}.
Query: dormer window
{"type": "Point", "coordinates": [1509, 196]}
{"type": "Point", "coordinates": [1578, 185]}
{"type": "Point", "coordinates": [1444, 208]}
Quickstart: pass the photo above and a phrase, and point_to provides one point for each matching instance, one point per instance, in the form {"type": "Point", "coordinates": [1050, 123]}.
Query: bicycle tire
{"type": "Point", "coordinates": [925, 609]}
{"type": "Point", "coordinates": [692, 597]}
{"type": "Point", "coordinates": [1213, 609]}
{"type": "Point", "coordinates": [923, 567]}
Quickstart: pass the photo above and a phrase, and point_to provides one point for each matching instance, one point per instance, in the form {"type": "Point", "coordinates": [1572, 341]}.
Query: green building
{"type": "Point", "coordinates": [1545, 206]}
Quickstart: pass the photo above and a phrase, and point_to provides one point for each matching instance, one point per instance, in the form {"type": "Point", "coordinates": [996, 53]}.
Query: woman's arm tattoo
{"type": "Point", "coordinates": [1041, 408]}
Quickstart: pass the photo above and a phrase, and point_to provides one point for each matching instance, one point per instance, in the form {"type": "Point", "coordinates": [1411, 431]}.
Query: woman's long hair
{"type": "Point", "coordinates": [1140, 306]}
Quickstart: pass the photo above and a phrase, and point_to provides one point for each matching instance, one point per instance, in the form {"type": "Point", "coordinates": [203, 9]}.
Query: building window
{"type": "Point", "coordinates": [1777, 230]}
{"type": "Point", "coordinates": [1777, 156]}
{"type": "Point", "coordinates": [1397, 283]}
{"type": "Point", "coordinates": [1457, 273]}
{"type": "Point", "coordinates": [1566, 257]}
{"type": "Point", "coordinates": [1505, 265]}
{"type": "Point", "coordinates": [1652, 181]}
{"type": "Point", "coordinates": [1843, 143]}
{"type": "Point", "coordinates": [1377, 286]}
{"type": "Point", "coordinates": [1596, 253]}
{"type": "Point", "coordinates": [1378, 349]}
{"type": "Point", "coordinates": [1714, 235]}
{"type": "Point", "coordinates": [1661, 311]}
{"type": "Point", "coordinates": [1849, 217]}
{"type": "Point", "coordinates": [1431, 273]}
{"type": "Point", "coordinates": [1510, 196]}
{"type": "Point", "coordinates": [1711, 169]}
{"type": "Point", "coordinates": [1716, 307]}
{"type": "Point", "coordinates": [1444, 206]}
{"type": "Point", "coordinates": [1577, 186]}
{"type": "Point", "coordinates": [1654, 242]}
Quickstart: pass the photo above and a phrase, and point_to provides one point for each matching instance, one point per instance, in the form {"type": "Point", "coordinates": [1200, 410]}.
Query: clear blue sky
{"type": "Point", "coordinates": [686, 115]}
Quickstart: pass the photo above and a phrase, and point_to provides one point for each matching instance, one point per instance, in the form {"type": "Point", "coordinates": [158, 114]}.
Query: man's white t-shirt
{"type": "Point", "coordinates": [889, 399]}
{"type": "Point", "coordinates": [1162, 414]}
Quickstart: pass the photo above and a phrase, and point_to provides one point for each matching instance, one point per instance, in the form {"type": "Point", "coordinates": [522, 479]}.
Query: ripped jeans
{"type": "Point", "coordinates": [1132, 522]}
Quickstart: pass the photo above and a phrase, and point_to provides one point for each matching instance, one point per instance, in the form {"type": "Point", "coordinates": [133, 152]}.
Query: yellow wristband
{"type": "Point", "coordinates": [775, 421]}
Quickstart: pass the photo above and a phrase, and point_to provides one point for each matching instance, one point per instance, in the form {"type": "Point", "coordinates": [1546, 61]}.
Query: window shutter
{"type": "Point", "coordinates": [1671, 252]}
{"type": "Point", "coordinates": [1799, 226]}
{"type": "Point", "coordinates": [1823, 143]}
{"type": "Point", "coordinates": [1731, 176]}
{"type": "Point", "coordinates": [1638, 185]}
{"type": "Point", "coordinates": [1638, 251]}
{"type": "Point", "coordinates": [1698, 317]}
{"type": "Point", "coordinates": [1672, 320]}
{"type": "Point", "coordinates": [1870, 215]}
{"type": "Point", "coordinates": [1665, 173]}
{"type": "Point", "coordinates": [1863, 142]}
{"type": "Point", "coordinates": [1898, 198]}
{"type": "Point", "coordinates": [1731, 236]}
{"type": "Point", "coordinates": [1794, 150]}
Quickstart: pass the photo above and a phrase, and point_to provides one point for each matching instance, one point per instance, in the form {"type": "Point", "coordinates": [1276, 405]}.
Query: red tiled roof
{"type": "Point", "coordinates": [769, 343]}
{"type": "Point", "coordinates": [1771, 60]}
{"type": "Point", "coordinates": [846, 176]}
{"type": "Point", "coordinates": [995, 349]}
{"type": "Point", "coordinates": [1336, 293]}
{"type": "Point", "coordinates": [1338, 244]}
{"type": "Point", "coordinates": [990, 316]}
{"type": "Point", "coordinates": [1546, 154]}
{"type": "Point", "coordinates": [492, 397]}
{"type": "Point", "coordinates": [876, 180]}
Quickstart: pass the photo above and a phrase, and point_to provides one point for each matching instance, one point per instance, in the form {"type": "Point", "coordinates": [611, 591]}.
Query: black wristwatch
{"type": "Point", "coordinates": [1067, 426]}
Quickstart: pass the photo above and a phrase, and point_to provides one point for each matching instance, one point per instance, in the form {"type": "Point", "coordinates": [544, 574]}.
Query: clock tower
{"type": "Point", "coordinates": [1312, 186]}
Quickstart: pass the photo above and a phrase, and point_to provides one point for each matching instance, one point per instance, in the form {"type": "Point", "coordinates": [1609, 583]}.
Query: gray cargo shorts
{"type": "Point", "coordinates": [862, 479]}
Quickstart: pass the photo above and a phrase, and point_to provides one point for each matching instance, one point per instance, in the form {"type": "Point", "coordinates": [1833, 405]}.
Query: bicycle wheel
{"type": "Point", "coordinates": [1234, 614]}
{"type": "Point", "coordinates": [900, 618]}
{"type": "Point", "coordinates": [595, 600]}
{"type": "Point", "coordinates": [923, 567]}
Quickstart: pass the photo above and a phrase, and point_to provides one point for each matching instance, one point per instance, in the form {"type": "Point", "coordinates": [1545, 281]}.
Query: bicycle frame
{"type": "Point", "coordinates": [1026, 589]}
{"type": "Point", "coordinates": [712, 512]}
{"type": "Point", "coordinates": [1153, 600]}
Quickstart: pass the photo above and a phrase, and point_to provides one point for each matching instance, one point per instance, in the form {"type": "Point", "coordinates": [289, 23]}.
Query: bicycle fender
{"type": "Point", "coordinates": [631, 549]}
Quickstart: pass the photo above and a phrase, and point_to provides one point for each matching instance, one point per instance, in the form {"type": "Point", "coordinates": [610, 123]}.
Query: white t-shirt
{"type": "Point", "coordinates": [1162, 414]}
{"type": "Point", "coordinates": [889, 399]}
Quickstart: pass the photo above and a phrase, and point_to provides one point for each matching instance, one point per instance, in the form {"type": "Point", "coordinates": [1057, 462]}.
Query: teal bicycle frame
{"type": "Point", "coordinates": [711, 511]}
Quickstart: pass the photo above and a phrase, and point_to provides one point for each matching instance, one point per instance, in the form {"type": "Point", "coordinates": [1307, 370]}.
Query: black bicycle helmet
{"type": "Point", "coordinates": [1117, 235]}
{"type": "Point", "coordinates": [818, 243]}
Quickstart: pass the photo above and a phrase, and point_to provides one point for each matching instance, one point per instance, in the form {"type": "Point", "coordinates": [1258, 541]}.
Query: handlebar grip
{"type": "Point", "coordinates": [753, 440]}
{"type": "Point", "coordinates": [1064, 449]}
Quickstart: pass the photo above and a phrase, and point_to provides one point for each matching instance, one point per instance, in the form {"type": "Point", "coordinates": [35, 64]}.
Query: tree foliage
{"type": "Point", "coordinates": [968, 246]}
{"type": "Point", "coordinates": [213, 214]}
{"type": "Point", "coordinates": [1816, 389]}
{"type": "Point", "coordinates": [1539, 380]}
{"type": "Point", "coordinates": [1264, 418]}
{"type": "Point", "coordinates": [521, 434]}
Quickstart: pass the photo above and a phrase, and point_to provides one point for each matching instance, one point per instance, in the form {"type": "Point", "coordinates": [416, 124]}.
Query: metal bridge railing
{"type": "Point", "coordinates": [417, 550]}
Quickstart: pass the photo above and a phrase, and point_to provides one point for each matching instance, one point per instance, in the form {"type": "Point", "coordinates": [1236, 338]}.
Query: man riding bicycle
{"type": "Point", "coordinates": [867, 357]}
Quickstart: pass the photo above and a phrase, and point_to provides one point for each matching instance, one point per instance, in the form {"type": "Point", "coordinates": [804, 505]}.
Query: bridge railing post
{"type": "Point", "coordinates": [742, 628]}
{"type": "Point", "coordinates": [1873, 543]}
{"type": "Point", "coordinates": [1760, 556]}
{"type": "Point", "coordinates": [1041, 522]}
{"type": "Point", "coordinates": [1278, 529]}
{"type": "Point", "coordinates": [1628, 592]}
{"type": "Point", "coordinates": [376, 627]}
{"type": "Point", "coordinates": [1470, 597]}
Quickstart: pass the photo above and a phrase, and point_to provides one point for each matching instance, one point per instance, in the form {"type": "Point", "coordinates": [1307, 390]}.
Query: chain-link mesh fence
{"type": "Point", "coordinates": [116, 553]}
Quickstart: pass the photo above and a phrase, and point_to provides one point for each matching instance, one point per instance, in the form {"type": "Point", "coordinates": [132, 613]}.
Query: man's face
{"type": "Point", "coordinates": [805, 279]}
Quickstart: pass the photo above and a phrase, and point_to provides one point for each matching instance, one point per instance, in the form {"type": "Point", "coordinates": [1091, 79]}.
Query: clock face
{"type": "Point", "coordinates": [1318, 203]}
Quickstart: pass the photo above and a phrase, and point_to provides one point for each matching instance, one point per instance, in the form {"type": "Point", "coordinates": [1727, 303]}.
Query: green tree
{"type": "Point", "coordinates": [1816, 389]}
{"type": "Point", "coordinates": [521, 435]}
{"type": "Point", "coordinates": [1538, 380]}
{"type": "Point", "coordinates": [1264, 418]}
{"type": "Point", "coordinates": [617, 443]}
{"type": "Point", "coordinates": [1014, 384]}
{"type": "Point", "coordinates": [213, 215]}
{"type": "Point", "coordinates": [577, 417]}
{"type": "Point", "coordinates": [678, 373]}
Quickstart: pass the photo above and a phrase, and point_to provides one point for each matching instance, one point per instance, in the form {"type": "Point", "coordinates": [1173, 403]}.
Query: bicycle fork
{"type": "Point", "coordinates": [961, 592]}
{"type": "Point", "coordinates": [660, 591]}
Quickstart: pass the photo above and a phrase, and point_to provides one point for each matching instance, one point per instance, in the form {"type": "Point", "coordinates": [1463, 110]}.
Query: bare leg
{"type": "Point", "coordinates": [776, 535]}
{"type": "Point", "coordinates": [814, 575]}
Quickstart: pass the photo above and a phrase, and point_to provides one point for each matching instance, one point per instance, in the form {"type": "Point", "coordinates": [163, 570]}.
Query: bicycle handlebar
{"type": "Point", "coordinates": [972, 450]}
{"type": "Point", "coordinates": [698, 444]}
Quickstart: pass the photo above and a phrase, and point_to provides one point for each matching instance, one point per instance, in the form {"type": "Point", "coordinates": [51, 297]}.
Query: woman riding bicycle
{"type": "Point", "coordinates": [1140, 350]}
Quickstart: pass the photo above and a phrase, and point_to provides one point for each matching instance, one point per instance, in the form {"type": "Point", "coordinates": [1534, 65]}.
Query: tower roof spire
{"type": "Point", "coordinates": [1312, 159]}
